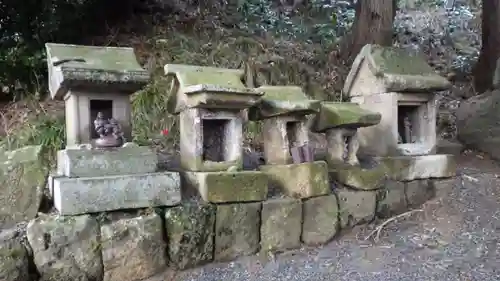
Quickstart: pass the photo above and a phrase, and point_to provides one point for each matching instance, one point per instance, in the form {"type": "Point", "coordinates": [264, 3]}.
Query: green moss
{"type": "Point", "coordinates": [299, 180]}
{"type": "Point", "coordinates": [282, 100]}
{"type": "Point", "coordinates": [235, 186]}
{"type": "Point", "coordinates": [343, 115]}
{"type": "Point", "coordinates": [359, 178]}
{"type": "Point", "coordinates": [393, 60]}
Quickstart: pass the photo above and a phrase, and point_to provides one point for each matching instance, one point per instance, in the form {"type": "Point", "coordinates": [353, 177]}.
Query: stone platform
{"type": "Point", "coordinates": [73, 196]}
{"type": "Point", "coordinates": [224, 187]}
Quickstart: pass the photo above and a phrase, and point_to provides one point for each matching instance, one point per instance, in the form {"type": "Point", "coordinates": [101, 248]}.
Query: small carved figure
{"type": "Point", "coordinates": [115, 129]}
{"type": "Point", "coordinates": [109, 131]}
{"type": "Point", "coordinates": [100, 124]}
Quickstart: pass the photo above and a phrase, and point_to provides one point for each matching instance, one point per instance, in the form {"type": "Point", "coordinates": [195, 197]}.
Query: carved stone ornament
{"type": "Point", "coordinates": [109, 131]}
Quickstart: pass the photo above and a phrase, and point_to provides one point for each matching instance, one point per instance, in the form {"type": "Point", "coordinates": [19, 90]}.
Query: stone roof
{"type": "Point", "coordinates": [397, 69]}
{"type": "Point", "coordinates": [92, 68]}
{"type": "Point", "coordinates": [282, 100]}
{"type": "Point", "coordinates": [342, 115]}
{"type": "Point", "coordinates": [209, 87]}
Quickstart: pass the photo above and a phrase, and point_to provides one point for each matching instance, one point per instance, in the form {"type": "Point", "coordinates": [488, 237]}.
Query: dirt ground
{"type": "Point", "coordinates": [455, 237]}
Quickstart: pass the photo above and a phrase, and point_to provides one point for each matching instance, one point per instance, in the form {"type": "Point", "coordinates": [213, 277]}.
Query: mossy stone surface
{"type": "Point", "coordinates": [133, 248]}
{"type": "Point", "coordinates": [321, 219]}
{"type": "Point", "coordinates": [92, 66]}
{"type": "Point", "coordinates": [281, 224]}
{"type": "Point", "coordinates": [397, 69]}
{"type": "Point", "coordinates": [343, 115]}
{"type": "Point", "coordinates": [299, 180]}
{"type": "Point", "coordinates": [355, 207]}
{"type": "Point", "coordinates": [282, 100]}
{"type": "Point", "coordinates": [391, 199]}
{"type": "Point", "coordinates": [14, 259]}
{"type": "Point", "coordinates": [358, 178]}
{"type": "Point", "coordinates": [66, 247]}
{"type": "Point", "coordinates": [190, 232]}
{"type": "Point", "coordinates": [207, 87]}
{"type": "Point", "coordinates": [237, 230]}
{"type": "Point", "coordinates": [22, 179]}
{"type": "Point", "coordinates": [226, 187]}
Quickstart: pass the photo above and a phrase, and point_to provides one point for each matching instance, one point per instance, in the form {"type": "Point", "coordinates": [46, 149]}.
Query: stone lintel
{"type": "Point", "coordinates": [73, 196]}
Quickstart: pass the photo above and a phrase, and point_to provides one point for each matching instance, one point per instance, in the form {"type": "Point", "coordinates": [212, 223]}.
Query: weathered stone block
{"type": "Point", "coordinates": [278, 133]}
{"type": "Point", "coordinates": [343, 115]}
{"type": "Point", "coordinates": [22, 180]}
{"type": "Point", "coordinates": [359, 178]}
{"type": "Point", "coordinates": [208, 87]}
{"type": "Point", "coordinates": [190, 231]}
{"type": "Point", "coordinates": [419, 191]}
{"type": "Point", "coordinates": [223, 187]}
{"type": "Point", "coordinates": [211, 141]}
{"type": "Point", "coordinates": [408, 168]}
{"type": "Point", "coordinates": [237, 230]}
{"type": "Point", "coordinates": [14, 259]}
{"type": "Point", "coordinates": [282, 101]}
{"type": "Point", "coordinates": [110, 162]}
{"type": "Point", "coordinates": [299, 180]}
{"type": "Point", "coordinates": [74, 196]}
{"type": "Point", "coordinates": [356, 207]}
{"type": "Point", "coordinates": [391, 199]}
{"type": "Point", "coordinates": [66, 248]}
{"type": "Point", "coordinates": [321, 218]}
{"type": "Point", "coordinates": [133, 248]}
{"type": "Point", "coordinates": [281, 224]}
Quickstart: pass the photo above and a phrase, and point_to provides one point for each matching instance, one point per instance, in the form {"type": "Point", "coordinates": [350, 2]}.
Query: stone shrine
{"type": "Point", "coordinates": [401, 87]}
{"type": "Point", "coordinates": [96, 83]}
{"type": "Point", "coordinates": [209, 102]}
{"type": "Point", "coordinates": [289, 159]}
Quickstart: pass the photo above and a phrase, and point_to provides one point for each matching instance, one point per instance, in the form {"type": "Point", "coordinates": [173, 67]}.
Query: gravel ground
{"type": "Point", "coordinates": [456, 237]}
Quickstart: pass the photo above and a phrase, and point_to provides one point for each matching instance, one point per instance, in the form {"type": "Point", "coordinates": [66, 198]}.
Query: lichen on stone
{"type": "Point", "coordinates": [343, 115]}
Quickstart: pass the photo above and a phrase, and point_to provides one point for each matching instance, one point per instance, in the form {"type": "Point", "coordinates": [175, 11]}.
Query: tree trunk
{"type": "Point", "coordinates": [373, 25]}
{"type": "Point", "coordinates": [490, 50]}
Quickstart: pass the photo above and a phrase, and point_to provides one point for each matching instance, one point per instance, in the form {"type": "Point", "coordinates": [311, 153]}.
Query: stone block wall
{"type": "Point", "coordinates": [133, 246]}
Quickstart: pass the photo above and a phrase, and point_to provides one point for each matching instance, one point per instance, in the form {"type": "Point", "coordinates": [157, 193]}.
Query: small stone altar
{"type": "Point", "coordinates": [209, 102]}
{"type": "Point", "coordinates": [289, 159]}
{"type": "Point", "coordinates": [340, 123]}
{"type": "Point", "coordinates": [100, 169]}
{"type": "Point", "coordinates": [401, 87]}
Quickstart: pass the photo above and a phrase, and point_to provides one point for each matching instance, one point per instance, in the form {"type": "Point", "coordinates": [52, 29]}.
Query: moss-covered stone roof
{"type": "Point", "coordinates": [397, 69]}
{"type": "Point", "coordinates": [282, 100]}
{"type": "Point", "coordinates": [93, 68]}
{"type": "Point", "coordinates": [343, 115]}
{"type": "Point", "coordinates": [207, 87]}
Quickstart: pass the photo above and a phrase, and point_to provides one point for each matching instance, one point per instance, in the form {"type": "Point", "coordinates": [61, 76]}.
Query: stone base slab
{"type": "Point", "coordinates": [359, 178]}
{"type": "Point", "coordinates": [85, 162]}
{"type": "Point", "coordinates": [408, 168]}
{"type": "Point", "coordinates": [225, 187]}
{"type": "Point", "coordinates": [299, 180]}
{"type": "Point", "coordinates": [73, 196]}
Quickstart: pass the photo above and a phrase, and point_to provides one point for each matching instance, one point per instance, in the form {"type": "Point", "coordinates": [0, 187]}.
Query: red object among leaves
{"type": "Point", "coordinates": [164, 132]}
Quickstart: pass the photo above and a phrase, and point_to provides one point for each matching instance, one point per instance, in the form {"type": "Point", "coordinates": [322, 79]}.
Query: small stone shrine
{"type": "Point", "coordinates": [289, 158]}
{"type": "Point", "coordinates": [209, 102]}
{"type": "Point", "coordinates": [340, 122]}
{"type": "Point", "coordinates": [401, 87]}
{"type": "Point", "coordinates": [100, 169]}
